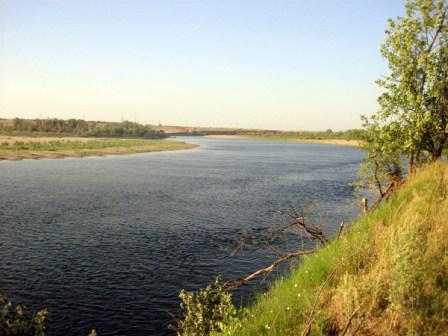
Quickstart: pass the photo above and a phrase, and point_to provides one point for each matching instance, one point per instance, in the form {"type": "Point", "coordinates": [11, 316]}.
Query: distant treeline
{"type": "Point", "coordinates": [352, 134]}
{"type": "Point", "coordinates": [79, 127]}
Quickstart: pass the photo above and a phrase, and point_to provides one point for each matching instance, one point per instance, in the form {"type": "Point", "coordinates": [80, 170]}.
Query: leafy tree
{"type": "Point", "coordinates": [413, 115]}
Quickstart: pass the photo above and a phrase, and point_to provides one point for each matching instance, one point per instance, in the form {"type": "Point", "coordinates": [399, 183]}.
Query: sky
{"type": "Point", "coordinates": [289, 65]}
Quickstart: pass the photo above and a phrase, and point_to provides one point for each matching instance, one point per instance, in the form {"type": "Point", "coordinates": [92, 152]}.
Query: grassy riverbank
{"type": "Point", "coordinates": [388, 275]}
{"type": "Point", "coordinates": [18, 148]}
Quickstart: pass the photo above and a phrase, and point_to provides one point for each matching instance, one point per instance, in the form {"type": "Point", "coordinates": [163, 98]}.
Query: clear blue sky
{"type": "Point", "coordinates": [304, 64]}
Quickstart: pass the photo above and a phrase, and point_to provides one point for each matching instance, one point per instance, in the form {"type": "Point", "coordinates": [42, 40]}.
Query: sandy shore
{"type": "Point", "coordinates": [234, 137]}
{"type": "Point", "coordinates": [125, 147]}
{"type": "Point", "coordinates": [339, 142]}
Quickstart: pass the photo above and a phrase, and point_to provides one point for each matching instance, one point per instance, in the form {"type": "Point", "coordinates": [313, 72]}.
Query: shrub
{"type": "Point", "coordinates": [206, 311]}
{"type": "Point", "coordinates": [18, 323]}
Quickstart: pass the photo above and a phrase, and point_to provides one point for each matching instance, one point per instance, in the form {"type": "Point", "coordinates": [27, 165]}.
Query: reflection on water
{"type": "Point", "coordinates": [107, 243]}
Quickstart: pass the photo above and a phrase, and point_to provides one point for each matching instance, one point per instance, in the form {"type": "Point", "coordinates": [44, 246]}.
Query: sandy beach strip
{"type": "Point", "coordinates": [339, 142]}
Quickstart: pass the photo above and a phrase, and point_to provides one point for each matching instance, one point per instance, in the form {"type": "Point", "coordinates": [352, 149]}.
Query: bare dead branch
{"type": "Point", "coordinates": [269, 237]}
{"type": "Point", "coordinates": [234, 284]}
{"type": "Point", "coordinates": [313, 232]}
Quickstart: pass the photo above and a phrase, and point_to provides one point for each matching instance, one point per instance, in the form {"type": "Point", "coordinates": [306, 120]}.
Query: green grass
{"type": "Point", "coordinates": [390, 270]}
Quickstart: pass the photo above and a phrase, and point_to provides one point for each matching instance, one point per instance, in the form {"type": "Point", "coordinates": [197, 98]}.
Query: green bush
{"type": "Point", "coordinates": [206, 311]}
{"type": "Point", "coordinates": [16, 322]}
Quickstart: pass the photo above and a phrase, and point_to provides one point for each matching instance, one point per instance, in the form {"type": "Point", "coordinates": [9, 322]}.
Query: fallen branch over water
{"type": "Point", "coordinates": [234, 284]}
{"type": "Point", "coordinates": [314, 232]}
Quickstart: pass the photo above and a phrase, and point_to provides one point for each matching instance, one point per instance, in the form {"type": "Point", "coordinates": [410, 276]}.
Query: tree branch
{"type": "Point", "coordinates": [234, 284]}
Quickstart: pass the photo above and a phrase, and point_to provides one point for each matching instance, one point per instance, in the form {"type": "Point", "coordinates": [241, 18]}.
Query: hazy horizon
{"type": "Point", "coordinates": [302, 65]}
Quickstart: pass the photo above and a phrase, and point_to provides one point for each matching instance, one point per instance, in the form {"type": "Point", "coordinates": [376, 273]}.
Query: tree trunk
{"type": "Point", "coordinates": [437, 153]}
{"type": "Point", "coordinates": [411, 164]}
{"type": "Point", "coordinates": [417, 157]}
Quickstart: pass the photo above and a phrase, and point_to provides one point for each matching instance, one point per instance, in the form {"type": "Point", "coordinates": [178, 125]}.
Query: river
{"type": "Point", "coordinates": [108, 242]}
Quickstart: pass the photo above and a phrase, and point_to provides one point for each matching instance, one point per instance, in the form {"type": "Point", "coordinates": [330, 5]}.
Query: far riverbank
{"type": "Point", "coordinates": [19, 147]}
{"type": "Point", "coordinates": [339, 142]}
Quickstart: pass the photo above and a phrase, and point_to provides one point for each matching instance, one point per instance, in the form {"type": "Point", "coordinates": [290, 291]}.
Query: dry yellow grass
{"type": "Point", "coordinates": [400, 289]}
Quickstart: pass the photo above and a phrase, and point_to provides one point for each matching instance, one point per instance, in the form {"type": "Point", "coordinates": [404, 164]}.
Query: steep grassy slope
{"type": "Point", "coordinates": [388, 275]}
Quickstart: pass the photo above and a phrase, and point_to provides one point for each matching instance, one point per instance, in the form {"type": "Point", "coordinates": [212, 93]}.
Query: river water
{"type": "Point", "coordinates": [108, 242]}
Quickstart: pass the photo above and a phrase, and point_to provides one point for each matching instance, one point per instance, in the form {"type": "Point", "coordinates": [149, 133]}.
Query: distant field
{"type": "Point", "coordinates": [18, 148]}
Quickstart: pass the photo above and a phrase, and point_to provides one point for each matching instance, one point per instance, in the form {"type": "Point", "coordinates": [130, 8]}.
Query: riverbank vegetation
{"type": "Point", "coordinates": [17, 148]}
{"type": "Point", "coordinates": [16, 321]}
{"type": "Point", "coordinates": [387, 275]}
{"type": "Point", "coordinates": [78, 127]}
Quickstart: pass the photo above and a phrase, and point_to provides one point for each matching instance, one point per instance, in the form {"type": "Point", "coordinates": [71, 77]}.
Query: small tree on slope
{"type": "Point", "coordinates": [413, 115]}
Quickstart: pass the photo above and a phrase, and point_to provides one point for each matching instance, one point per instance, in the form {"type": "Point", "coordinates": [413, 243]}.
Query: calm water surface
{"type": "Point", "coordinates": [107, 243]}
